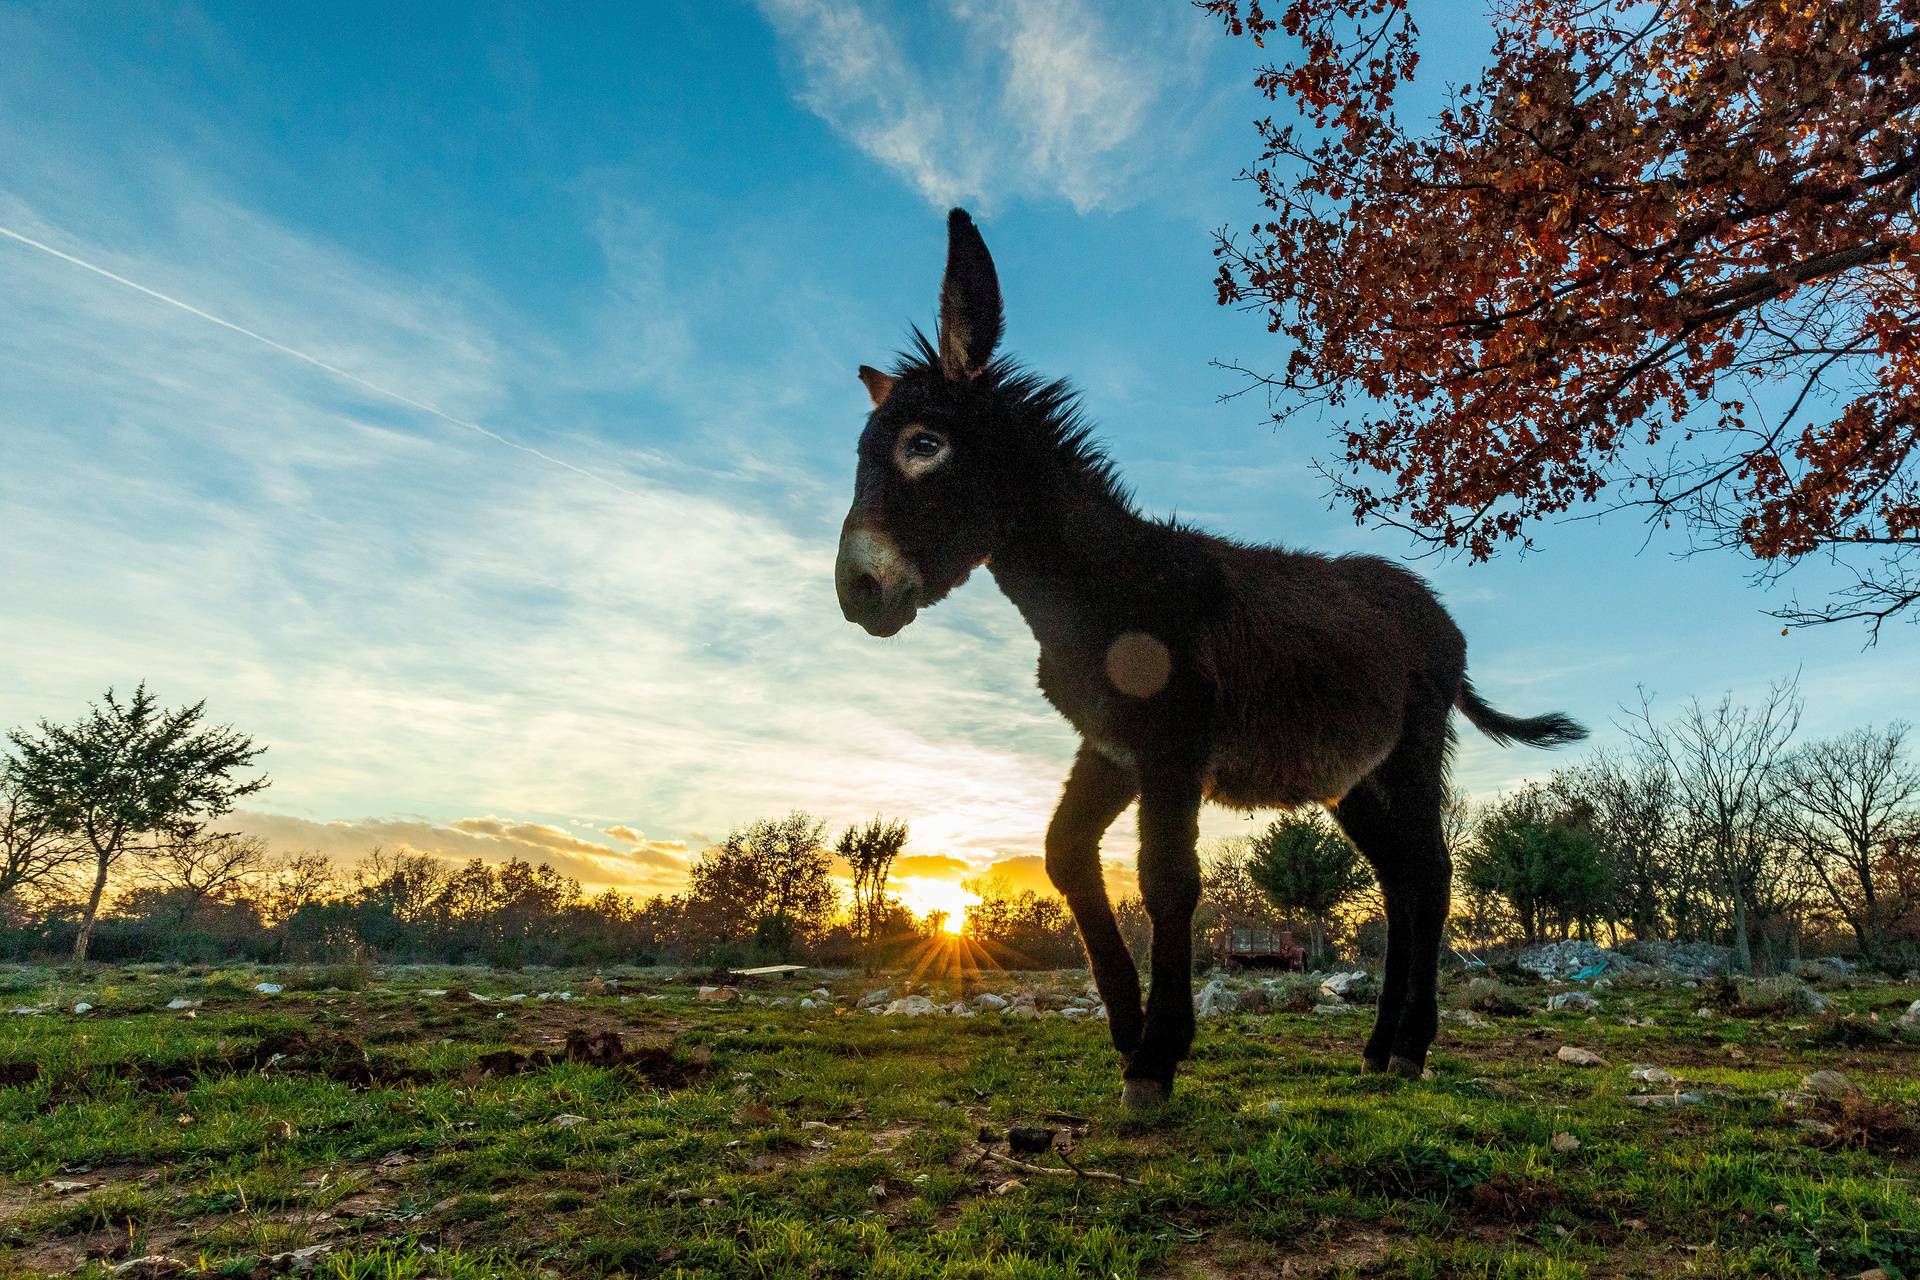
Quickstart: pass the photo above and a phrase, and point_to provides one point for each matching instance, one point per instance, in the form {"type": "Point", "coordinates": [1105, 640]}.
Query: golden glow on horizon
{"type": "Point", "coordinates": [922, 894]}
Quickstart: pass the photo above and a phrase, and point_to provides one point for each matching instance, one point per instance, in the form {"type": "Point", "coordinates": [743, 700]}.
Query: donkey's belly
{"type": "Point", "coordinates": [1285, 775]}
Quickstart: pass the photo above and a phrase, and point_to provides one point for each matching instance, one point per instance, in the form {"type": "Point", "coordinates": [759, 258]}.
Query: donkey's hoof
{"type": "Point", "coordinates": [1373, 1066]}
{"type": "Point", "coordinates": [1405, 1067]}
{"type": "Point", "coordinates": [1142, 1095]}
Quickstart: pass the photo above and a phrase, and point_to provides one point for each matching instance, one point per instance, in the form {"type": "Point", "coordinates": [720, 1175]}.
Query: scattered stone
{"type": "Point", "coordinates": [1570, 959]}
{"type": "Point", "coordinates": [912, 1007]}
{"type": "Point", "coordinates": [1831, 1085]}
{"type": "Point", "coordinates": [1215, 1000]}
{"type": "Point", "coordinates": [299, 1261]}
{"type": "Point", "coordinates": [1647, 1073]}
{"type": "Point", "coordinates": [1574, 1056]}
{"type": "Point", "coordinates": [875, 998]}
{"type": "Point", "coordinates": [1465, 1017]}
{"type": "Point", "coordinates": [65, 1187]}
{"type": "Point", "coordinates": [268, 988]}
{"type": "Point", "coordinates": [1335, 1007]}
{"type": "Point", "coordinates": [181, 1002]}
{"type": "Point", "coordinates": [1565, 1143]}
{"type": "Point", "coordinates": [1691, 960]}
{"type": "Point", "coordinates": [987, 1000]}
{"type": "Point", "coordinates": [721, 994]}
{"type": "Point", "coordinates": [82, 1007]}
{"type": "Point", "coordinates": [808, 1002]}
{"type": "Point", "coordinates": [1075, 1012]}
{"type": "Point", "coordinates": [149, 1267]}
{"type": "Point", "coordinates": [1255, 999]}
{"type": "Point", "coordinates": [1572, 1002]}
{"type": "Point", "coordinates": [1910, 1020]}
{"type": "Point", "coordinates": [1647, 1101]}
{"type": "Point", "coordinates": [1347, 986]}
{"type": "Point", "coordinates": [597, 986]}
{"type": "Point", "coordinates": [566, 1120]}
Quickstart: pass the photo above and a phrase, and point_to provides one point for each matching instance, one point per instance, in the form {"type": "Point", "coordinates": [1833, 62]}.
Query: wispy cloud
{"type": "Point", "coordinates": [1048, 97]}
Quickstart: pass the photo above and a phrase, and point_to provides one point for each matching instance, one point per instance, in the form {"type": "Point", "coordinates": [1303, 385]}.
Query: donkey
{"type": "Point", "coordinates": [1194, 667]}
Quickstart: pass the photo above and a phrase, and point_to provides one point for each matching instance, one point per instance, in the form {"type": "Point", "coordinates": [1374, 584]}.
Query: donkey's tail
{"type": "Point", "coordinates": [1550, 730]}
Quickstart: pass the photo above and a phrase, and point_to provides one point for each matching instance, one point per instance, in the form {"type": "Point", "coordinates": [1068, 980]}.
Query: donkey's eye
{"type": "Point", "coordinates": [919, 450]}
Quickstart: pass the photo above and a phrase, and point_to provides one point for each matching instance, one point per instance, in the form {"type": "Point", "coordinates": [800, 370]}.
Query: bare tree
{"type": "Point", "coordinates": [1850, 799]}
{"type": "Point", "coordinates": [206, 867]}
{"type": "Point", "coordinates": [1725, 765]}
{"type": "Point", "coordinates": [296, 880]}
{"type": "Point", "coordinates": [33, 850]}
{"type": "Point", "coordinates": [1628, 800]}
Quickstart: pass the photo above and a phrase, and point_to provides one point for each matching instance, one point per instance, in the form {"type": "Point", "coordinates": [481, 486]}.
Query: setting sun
{"type": "Point", "coordinates": [923, 895]}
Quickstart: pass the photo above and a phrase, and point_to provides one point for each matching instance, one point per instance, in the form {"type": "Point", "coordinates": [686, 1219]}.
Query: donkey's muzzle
{"type": "Point", "coordinates": [879, 588]}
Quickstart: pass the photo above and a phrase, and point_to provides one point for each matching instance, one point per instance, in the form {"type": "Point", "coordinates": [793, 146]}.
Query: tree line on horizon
{"type": "Point", "coordinates": [1713, 825]}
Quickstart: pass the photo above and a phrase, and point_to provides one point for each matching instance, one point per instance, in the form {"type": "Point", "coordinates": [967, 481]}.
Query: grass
{"type": "Point", "coordinates": [432, 1136]}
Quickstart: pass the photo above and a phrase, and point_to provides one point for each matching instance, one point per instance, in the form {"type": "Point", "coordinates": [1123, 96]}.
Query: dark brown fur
{"type": "Point", "coordinates": [1289, 679]}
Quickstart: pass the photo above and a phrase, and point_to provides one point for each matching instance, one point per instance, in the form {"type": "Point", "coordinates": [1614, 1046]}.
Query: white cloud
{"type": "Point", "coordinates": [1049, 97]}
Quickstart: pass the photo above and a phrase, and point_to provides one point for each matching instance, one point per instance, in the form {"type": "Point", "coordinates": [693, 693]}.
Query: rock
{"type": "Point", "coordinates": [82, 1007]}
{"type": "Point", "coordinates": [181, 1002]}
{"type": "Point", "coordinates": [1020, 1009]}
{"type": "Point", "coordinates": [720, 994]}
{"type": "Point", "coordinates": [821, 993]}
{"type": "Point", "coordinates": [1335, 1007]}
{"type": "Point", "coordinates": [1465, 1017]}
{"type": "Point", "coordinates": [1831, 1085]}
{"type": "Point", "coordinates": [1564, 1143]}
{"type": "Point", "coordinates": [268, 988]}
{"type": "Point", "coordinates": [1347, 986]}
{"type": "Point", "coordinates": [808, 1002]}
{"type": "Point", "coordinates": [1255, 999]}
{"type": "Point", "coordinates": [597, 986]}
{"type": "Point", "coordinates": [1075, 1012]}
{"type": "Point", "coordinates": [1646, 1101]}
{"type": "Point", "coordinates": [148, 1267]}
{"type": "Point", "coordinates": [66, 1187]}
{"type": "Point", "coordinates": [912, 1007]}
{"type": "Point", "coordinates": [1647, 1073]}
{"type": "Point", "coordinates": [1910, 1020]}
{"type": "Point", "coordinates": [566, 1120]}
{"type": "Point", "coordinates": [436, 993]}
{"type": "Point", "coordinates": [1215, 1000]}
{"type": "Point", "coordinates": [1572, 1002]}
{"type": "Point", "coordinates": [988, 1001]}
{"type": "Point", "coordinates": [874, 998]}
{"type": "Point", "coordinates": [1574, 1056]}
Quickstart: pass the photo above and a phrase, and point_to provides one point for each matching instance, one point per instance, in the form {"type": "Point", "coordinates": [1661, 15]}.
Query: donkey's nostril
{"type": "Point", "coordinates": [865, 591]}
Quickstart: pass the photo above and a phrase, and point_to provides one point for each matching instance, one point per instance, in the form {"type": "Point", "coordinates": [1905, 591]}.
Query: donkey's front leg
{"type": "Point", "coordinates": [1170, 887]}
{"type": "Point", "coordinates": [1097, 791]}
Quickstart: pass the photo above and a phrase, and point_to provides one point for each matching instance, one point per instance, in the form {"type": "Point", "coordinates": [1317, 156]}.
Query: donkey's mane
{"type": "Point", "coordinates": [1049, 408]}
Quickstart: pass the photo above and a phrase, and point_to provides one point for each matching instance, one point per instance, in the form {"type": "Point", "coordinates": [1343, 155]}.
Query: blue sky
{"type": "Point", "coordinates": [653, 242]}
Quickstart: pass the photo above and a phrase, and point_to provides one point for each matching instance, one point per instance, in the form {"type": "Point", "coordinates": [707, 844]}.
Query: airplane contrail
{"type": "Point", "coordinates": [315, 361]}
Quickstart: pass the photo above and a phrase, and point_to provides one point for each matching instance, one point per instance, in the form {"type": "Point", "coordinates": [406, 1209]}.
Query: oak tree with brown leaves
{"type": "Point", "coordinates": [1661, 253]}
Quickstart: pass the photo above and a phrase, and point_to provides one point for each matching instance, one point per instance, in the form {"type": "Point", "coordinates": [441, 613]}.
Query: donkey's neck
{"type": "Point", "coordinates": [1068, 554]}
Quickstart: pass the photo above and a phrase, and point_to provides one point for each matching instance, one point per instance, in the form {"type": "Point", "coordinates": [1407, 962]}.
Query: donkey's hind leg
{"type": "Point", "coordinates": [1097, 790]}
{"type": "Point", "coordinates": [1394, 819]}
{"type": "Point", "coordinates": [1364, 816]}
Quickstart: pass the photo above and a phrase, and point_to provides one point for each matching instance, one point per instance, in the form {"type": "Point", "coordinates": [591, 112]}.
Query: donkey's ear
{"type": "Point", "coordinates": [879, 385]}
{"type": "Point", "coordinates": [969, 302]}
